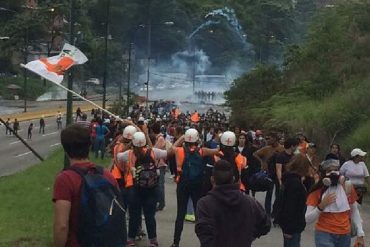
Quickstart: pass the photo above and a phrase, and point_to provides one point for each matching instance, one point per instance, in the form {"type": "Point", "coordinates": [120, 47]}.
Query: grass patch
{"type": "Point", "coordinates": [26, 210]}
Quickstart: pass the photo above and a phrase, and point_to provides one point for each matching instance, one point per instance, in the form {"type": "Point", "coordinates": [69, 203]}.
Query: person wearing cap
{"type": "Point", "coordinates": [190, 175]}
{"type": "Point", "coordinates": [226, 217]}
{"type": "Point", "coordinates": [227, 152]}
{"type": "Point", "coordinates": [356, 171]}
{"type": "Point", "coordinates": [332, 205]}
{"type": "Point", "coordinates": [141, 160]}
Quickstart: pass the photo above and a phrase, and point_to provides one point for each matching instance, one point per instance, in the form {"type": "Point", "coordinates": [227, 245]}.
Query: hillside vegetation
{"type": "Point", "coordinates": [323, 87]}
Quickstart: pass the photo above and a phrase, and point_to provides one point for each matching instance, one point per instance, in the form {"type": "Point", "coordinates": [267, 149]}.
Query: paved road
{"type": "Point", "coordinates": [166, 224]}
{"type": "Point", "coordinates": [15, 156]}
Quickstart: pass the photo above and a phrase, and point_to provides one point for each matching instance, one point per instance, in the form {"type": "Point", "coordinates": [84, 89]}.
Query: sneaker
{"type": "Point", "coordinates": [153, 243]}
{"type": "Point", "coordinates": [130, 243]}
{"type": "Point", "coordinates": [174, 245]}
{"type": "Point", "coordinates": [190, 217]}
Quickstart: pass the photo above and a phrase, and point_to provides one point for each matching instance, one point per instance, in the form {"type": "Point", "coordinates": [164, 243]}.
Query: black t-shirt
{"type": "Point", "coordinates": [283, 158]}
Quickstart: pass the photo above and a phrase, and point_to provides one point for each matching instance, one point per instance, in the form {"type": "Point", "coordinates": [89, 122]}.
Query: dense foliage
{"type": "Point", "coordinates": [268, 24]}
{"type": "Point", "coordinates": [323, 87]}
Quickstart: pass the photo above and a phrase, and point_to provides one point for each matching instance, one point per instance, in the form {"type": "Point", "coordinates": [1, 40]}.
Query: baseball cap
{"type": "Point", "coordinates": [357, 152]}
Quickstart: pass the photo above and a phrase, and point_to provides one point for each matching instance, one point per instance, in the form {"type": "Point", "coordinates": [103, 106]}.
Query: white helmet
{"type": "Point", "coordinates": [228, 138]}
{"type": "Point", "coordinates": [191, 135]}
{"type": "Point", "coordinates": [128, 132]}
{"type": "Point", "coordinates": [139, 139]}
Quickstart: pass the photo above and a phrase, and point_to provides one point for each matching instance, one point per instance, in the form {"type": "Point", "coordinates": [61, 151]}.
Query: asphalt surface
{"type": "Point", "coordinates": [166, 224]}
{"type": "Point", "coordinates": [15, 156]}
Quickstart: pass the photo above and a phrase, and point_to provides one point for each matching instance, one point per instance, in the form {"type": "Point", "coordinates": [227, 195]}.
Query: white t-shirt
{"type": "Point", "coordinates": [159, 154]}
{"type": "Point", "coordinates": [355, 172]}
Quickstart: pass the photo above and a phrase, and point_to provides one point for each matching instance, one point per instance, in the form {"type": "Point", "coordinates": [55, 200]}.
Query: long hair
{"type": "Point", "coordinates": [138, 152]}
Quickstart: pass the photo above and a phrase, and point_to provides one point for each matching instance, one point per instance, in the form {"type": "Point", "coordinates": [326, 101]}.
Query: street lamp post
{"type": "Point", "coordinates": [24, 69]}
{"type": "Point", "coordinates": [148, 67]}
{"type": "Point", "coordinates": [106, 54]}
{"type": "Point", "coordinates": [129, 79]}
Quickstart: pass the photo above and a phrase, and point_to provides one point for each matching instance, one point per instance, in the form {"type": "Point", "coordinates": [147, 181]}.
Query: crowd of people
{"type": "Point", "coordinates": [207, 96]}
{"type": "Point", "coordinates": [218, 170]}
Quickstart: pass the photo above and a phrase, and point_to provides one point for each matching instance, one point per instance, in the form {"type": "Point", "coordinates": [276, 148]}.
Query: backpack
{"type": "Point", "coordinates": [146, 171]}
{"type": "Point", "coordinates": [102, 216]}
{"type": "Point", "coordinates": [193, 167]}
{"type": "Point", "coordinates": [260, 181]}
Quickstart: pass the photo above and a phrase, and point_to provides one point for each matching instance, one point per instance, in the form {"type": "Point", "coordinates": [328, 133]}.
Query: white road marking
{"type": "Point", "coordinates": [52, 133]}
{"type": "Point", "coordinates": [56, 144]}
{"type": "Point", "coordinates": [14, 142]}
{"type": "Point", "coordinates": [20, 155]}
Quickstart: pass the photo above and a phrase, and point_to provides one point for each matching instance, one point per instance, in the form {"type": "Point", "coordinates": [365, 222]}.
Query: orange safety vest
{"type": "Point", "coordinates": [118, 169]}
{"type": "Point", "coordinates": [180, 157]}
{"type": "Point", "coordinates": [195, 117]}
{"type": "Point", "coordinates": [131, 164]}
{"type": "Point", "coordinates": [241, 163]}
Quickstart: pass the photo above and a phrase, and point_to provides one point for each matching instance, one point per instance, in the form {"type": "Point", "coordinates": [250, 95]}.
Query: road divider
{"type": "Point", "coordinates": [20, 155]}
{"type": "Point", "coordinates": [52, 133]}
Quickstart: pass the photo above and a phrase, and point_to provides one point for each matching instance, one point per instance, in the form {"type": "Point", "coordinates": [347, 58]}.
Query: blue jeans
{"type": "Point", "coordinates": [161, 193]}
{"type": "Point", "coordinates": [294, 241]}
{"type": "Point", "coordinates": [99, 145]}
{"type": "Point", "coordinates": [142, 200]}
{"type": "Point", "coordinates": [325, 239]}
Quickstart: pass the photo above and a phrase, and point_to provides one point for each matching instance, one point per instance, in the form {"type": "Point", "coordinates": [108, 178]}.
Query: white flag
{"type": "Point", "coordinates": [53, 68]}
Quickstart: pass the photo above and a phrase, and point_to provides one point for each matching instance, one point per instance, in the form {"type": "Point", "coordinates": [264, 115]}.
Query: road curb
{"type": "Point", "coordinates": [51, 112]}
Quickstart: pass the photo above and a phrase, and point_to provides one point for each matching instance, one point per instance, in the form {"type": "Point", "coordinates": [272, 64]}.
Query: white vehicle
{"type": "Point", "coordinates": [143, 89]}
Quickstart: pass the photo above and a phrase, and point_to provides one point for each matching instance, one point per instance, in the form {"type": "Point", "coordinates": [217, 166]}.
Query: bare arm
{"type": "Point", "coordinates": [210, 152]}
{"type": "Point", "coordinates": [62, 210]}
{"type": "Point", "coordinates": [278, 171]}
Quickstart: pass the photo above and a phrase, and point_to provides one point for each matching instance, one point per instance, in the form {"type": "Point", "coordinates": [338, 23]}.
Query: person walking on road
{"type": "Point", "coordinates": [356, 171]}
{"type": "Point", "coordinates": [101, 133]}
{"type": "Point", "coordinates": [226, 217]}
{"type": "Point", "coordinates": [29, 132]}
{"type": "Point", "coordinates": [143, 162]}
{"type": "Point", "coordinates": [291, 203]}
{"type": "Point", "coordinates": [332, 205]}
{"type": "Point", "coordinates": [267, 157]}
{"type": "Point", "coordinates": [15, 126]}
{"type": "Point", "coordinates": [7, 124]}
{"type": "Point", "coordinates": [68, 191]}
{"type": "Point", "coordinates": [190, 175]}
{"type": "Point", "coordinates": [78, 114]}
{"type": "Point", "coordinates": [42, 125]}
{"type": "Point", "coordinates": [59, 120]}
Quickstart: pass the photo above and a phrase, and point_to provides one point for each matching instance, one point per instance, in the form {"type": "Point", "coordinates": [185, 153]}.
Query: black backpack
{"type": "Point", "coordinates": [102, 216]}
{"type": "Point", "coordinates": [193, 166]}
{"type": "Point", "coordinates": [146, 171]}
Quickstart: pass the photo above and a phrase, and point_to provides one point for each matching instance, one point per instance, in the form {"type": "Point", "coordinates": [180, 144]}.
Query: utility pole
{"type": "Point", "coordinates": [25, 70]}
{"type": "Point", "coordinates": [70, 77]}
{"type": "Point", "coordinates": [106, 54]}
{"type": "Point", "coordinates": [149, 54]}
{"type": "Point", "coordinates": [129, 79]}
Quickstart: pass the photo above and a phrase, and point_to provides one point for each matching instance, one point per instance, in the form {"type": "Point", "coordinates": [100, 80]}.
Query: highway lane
{"type": "Point", "coordinates": [15, 156]}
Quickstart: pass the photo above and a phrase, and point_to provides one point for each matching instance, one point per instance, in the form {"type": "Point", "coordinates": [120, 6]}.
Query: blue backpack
{"type": "Point", "coordinates": [193, 167]}
{"type": "Point", "coordinates": [102, 216]}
